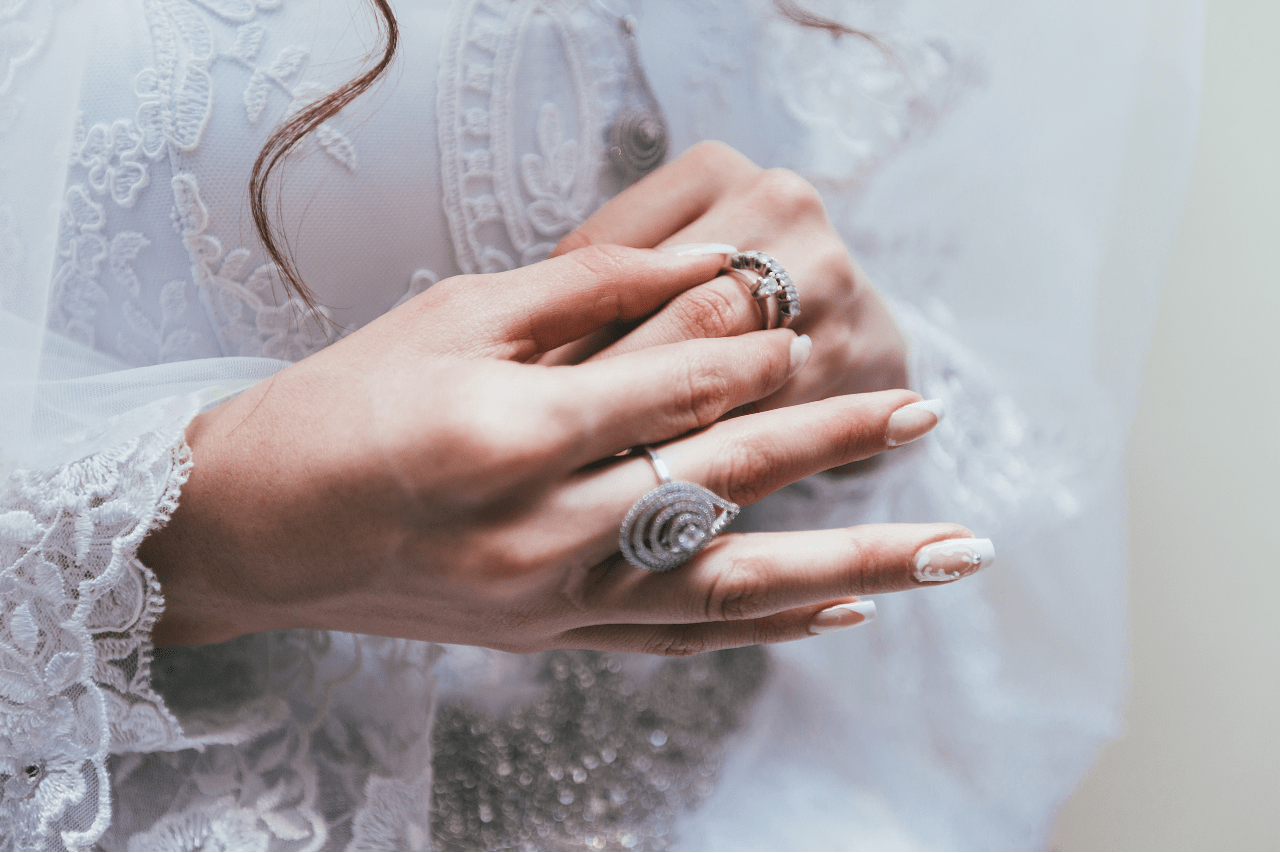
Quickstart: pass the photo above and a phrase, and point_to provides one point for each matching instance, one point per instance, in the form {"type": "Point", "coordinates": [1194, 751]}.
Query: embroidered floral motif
{"type": "Point", "coordinates": [75, 636]}
{"type": "Point", "coordinates": [550, 177]}
{"type": "Point", "coordinates": [82, 249]}
{"type": "Point", "coordinates": [251, 321]}
{"type": "Point", "coordinates": [112, 156]}
{"type": "Point", "coordinates": [76, 701]}
{"type": "Point", "coordinates": [506, 207]}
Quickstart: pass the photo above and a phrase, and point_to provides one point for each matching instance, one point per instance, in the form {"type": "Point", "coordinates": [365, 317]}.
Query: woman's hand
{"type": "Point", "coordinates": [420, 479]}
{"type": "Point", "coordinates": [713, 194]}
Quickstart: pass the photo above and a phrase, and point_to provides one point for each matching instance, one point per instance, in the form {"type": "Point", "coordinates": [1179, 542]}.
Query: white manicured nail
{"type": "Point", "coordinates": [801, 349]}
{"type": "Point", "coordinates": [913, 420]}
{"type": "Point", "coordinates": [685, 249]}
{"type": "Point", "coordinates": [953, 559]}
{"type": "Point", "coordinates": [842, 616]}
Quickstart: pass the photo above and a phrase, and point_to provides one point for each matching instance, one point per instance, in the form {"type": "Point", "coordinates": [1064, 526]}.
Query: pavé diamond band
{"type": "Point", "coordinates": [772, 287]}
{"type": "Point", "coordinates": [673, 522]}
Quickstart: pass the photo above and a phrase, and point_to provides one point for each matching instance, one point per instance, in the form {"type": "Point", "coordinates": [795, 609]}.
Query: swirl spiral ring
{"type": "Point", "coordinates": [671, 524]}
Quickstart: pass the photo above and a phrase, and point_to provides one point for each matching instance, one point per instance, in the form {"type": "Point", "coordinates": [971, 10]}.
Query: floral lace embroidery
{"type": "Point", "coordinates": [175, 97]}
{"type": "Point", "coordinates": [75, 638]}
{"type": "Point", "coordinates": [243, 301]}
{"type": "Point", "coordinates": [507, 208]}
{"type": "Point", "coordinates": [288, 720]}
{"type": "Point", "coordinates": [256, 781]}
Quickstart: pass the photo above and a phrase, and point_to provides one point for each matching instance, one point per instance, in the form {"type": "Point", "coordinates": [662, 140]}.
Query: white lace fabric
{"type": "Point", "coordinates": [132, 294]}
{"type": "Point", "coordinates": [76, 639]}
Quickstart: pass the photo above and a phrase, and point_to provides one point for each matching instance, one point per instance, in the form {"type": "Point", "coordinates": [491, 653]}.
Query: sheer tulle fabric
{"type": "Point", "coordinates": [1009, 175]}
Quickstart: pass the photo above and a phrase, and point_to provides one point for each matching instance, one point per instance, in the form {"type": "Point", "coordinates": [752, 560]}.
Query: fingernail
{"type": "Point", "coordinates": [913, 420]}
{"type": "Point", "coordinates": [842, 616]}
{"type": "Point", "coordinates": [685, 249]}
{"type": "Point", "coordinates": [953, 559]}
{"type": "Point", "coordinates": [801, 349]}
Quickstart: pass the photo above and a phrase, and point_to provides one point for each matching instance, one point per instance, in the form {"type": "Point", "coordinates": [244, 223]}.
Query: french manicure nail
{"type": "Point", "coordinates": [842, 616]}
{"type": "Point", "coordinates": [953, 559]}
{"type": "Point", "coordinates": [913, 420]}
{"type": "Point", "coordinates": [687, 249]}
{"type": "Point", "coordinates": [801, 349]}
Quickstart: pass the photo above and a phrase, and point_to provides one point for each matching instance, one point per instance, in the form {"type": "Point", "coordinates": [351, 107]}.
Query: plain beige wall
{"type": "Point", "coordinates": [1199, 767]}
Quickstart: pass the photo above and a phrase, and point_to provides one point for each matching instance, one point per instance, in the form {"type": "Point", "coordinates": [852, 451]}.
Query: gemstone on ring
{"type": "Point", "coordinates": [773, 286]}
{"type": "Point", "coordinates": [673, 522]}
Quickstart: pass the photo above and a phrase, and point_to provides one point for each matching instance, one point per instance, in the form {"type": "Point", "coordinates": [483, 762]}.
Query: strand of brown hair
{"type": "Point", "coordinates": [285, 138]}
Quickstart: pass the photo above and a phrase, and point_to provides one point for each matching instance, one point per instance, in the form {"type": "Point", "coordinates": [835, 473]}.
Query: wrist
{"type": "Point", "coordinates": [192, 562]}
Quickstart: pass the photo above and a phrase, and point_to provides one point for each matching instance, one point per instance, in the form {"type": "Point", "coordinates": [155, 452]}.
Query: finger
{"type": "Point", "coordinates": [697, 638]}
{"type": "Point", "coordinates": [664, 392]}
{"type": "Point", "coordinates": [746, 458]}
{"type": "Point", "coordinates": [757, 575]}
{"type": "Point", "coordinates": [743, 460]}
{"type": "Point", "coordinates": [720, 308]}
{"type": "Point", "coordinates": [665, 201]}
{"type": "Point", "coordinates": [518, 314]}
{"type": "Point", "coordinates": [774, 210]}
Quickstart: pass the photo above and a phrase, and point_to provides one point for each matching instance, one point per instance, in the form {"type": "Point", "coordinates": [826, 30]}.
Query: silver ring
{"type": "Point", "coordinates": [772, 288]}
{"type": "Point", "coordinates": [673, 522]}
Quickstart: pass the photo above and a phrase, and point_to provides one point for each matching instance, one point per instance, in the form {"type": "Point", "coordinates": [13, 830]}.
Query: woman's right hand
{"type": "Point", "coordinates": [420, 479]}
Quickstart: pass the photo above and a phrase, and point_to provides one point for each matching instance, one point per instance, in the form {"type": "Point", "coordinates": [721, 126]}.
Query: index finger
{"type": "Point", "coordinates": [518, 314]}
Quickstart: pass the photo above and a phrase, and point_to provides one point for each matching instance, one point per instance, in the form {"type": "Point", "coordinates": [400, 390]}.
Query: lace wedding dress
{"type": "Point", "coordinates": [1009, 175]}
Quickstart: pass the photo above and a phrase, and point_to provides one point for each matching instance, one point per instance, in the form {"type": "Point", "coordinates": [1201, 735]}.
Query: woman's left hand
{"type": "Point", "coordinates": [713, 194]}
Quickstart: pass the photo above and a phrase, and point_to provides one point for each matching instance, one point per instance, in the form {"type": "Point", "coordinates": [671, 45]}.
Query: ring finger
{"type": "Point", "coordinates": [744, 459]}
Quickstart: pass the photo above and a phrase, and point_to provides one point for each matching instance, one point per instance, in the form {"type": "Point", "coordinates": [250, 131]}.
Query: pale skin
{"type": "Point", "coordinates": [449, 471]}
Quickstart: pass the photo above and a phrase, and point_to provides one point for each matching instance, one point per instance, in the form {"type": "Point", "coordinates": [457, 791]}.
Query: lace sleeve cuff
{"type": "Point", "coordinates": [75, 642]}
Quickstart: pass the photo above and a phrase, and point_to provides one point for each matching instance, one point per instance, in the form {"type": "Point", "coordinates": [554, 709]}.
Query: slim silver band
{"type": "Point", "coordinates": [772, 287]}
{"type": "Point", "coordinates": [659, 466]}
{"type": "Point", "coordinates": [672, 523]}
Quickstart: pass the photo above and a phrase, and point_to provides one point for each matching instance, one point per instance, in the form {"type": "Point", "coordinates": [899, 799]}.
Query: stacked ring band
{"type": "Point", "coordinates": [673, 522]}
{"type": "Point", "coordinates": [773, 288]}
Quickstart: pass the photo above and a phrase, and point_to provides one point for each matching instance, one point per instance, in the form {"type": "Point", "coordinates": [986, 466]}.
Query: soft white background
{"type": "Point", "coordinates": [1199, 767]}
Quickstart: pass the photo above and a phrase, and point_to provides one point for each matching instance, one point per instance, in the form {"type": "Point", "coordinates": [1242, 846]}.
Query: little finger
{"type": "Point", "coordinates": [697, 638]}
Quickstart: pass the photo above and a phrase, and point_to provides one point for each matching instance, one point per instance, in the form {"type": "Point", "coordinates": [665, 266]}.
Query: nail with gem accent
{"type": "Point", "coordinates": [801, 349]}
{"type": "Point", "coordinates": [952, 559]}
{"type": "Point", "coordinates": [912, 421]}
{"type": "Point", "coordinates": [842, 616]}
{"type": "Point", "coordinates": [688, 249]}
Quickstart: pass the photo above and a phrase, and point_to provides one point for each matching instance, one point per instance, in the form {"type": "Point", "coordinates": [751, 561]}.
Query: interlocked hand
{"type": "Point", "coordinates": [713, 194]}
{"type": "Point", "coordinates": [422, 478]}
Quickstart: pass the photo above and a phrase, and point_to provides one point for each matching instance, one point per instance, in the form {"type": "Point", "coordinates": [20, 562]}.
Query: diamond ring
{"type": "Point", "coordinates": [772, 287]}
{"type": "Point", "coordinates": [673, 522]}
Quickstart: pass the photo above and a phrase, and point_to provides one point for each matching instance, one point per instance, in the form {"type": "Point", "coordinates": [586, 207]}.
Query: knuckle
{"type": "Point", "coordinates": [740, 467]}
{"type": "Point", "coordinates": [681, 644]}
{"type": "Point", "coordinates": [601, 261]}
{"type": "Point", "coordinates": [706, 390]}
{"type": "Point", "coordinates": [833, 265]}
{"type": "Point", "coordinates": [770, 631]}
{"type": "Point", "coordinates": [866, 570]}
{"type": "Point", "coordinates": [575, 240]}
{"type": "Point", "coordinates": [713, 153]}
{"type": "Point", "coordinates": [790, 195]}
{"type": "Point", "coordinates": [714, 310]}
{"type": "Point", "coordinates": [740, 591]}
